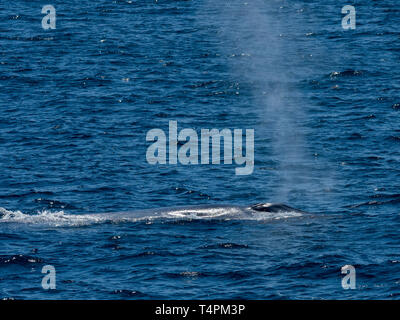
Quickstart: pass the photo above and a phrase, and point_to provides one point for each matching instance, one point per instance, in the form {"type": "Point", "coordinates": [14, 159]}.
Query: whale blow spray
{"type": "Point", "coordinates": [263, 58]}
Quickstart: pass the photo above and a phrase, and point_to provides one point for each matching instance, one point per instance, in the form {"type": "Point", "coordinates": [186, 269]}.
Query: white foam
{"type": "Point", "coordinates": [58, 218]}
{"type": "Point", "coordinates": [259, 216]}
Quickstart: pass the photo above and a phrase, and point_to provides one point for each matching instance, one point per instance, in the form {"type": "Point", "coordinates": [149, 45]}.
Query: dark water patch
{"type": "Point", "coordinates": [374, 158]}
{"type": "Point", "coordinates": [393, 138]}
{"type": "Point", "coordinates": [112, 246]}
{"type": "Point", "coordinates": [227, 245]}
{"type": "Point", "coordinates": [386, 195]}
{"type": "Point", "coordinates": [149, 253]}
{"type": "Point", "coordinates": [27, 194]}
{"type": "Point", "coordinates": [54, 204]}
{"type": "Point", "coordinates": [191, 193]}
{"type": "Point", "coordinates": [203, 84]}
{"type": "Point", "coordinates": [97, 189]}
{"type": "Point", "coordinates": [375, 203]}
{"type": "Point", "coordinates": [313, 270]}
{"type": "Point", "coordinates": [124, 293]}
{"type": "Point", "coordinates": [67, 281]}
{"type": "Point", "coordinates": [229, 275]}
{"type": "Point", "coordinates": [115, 237]}
{"type": "Point", "coordinates": [11, 236]}
{"type": "Point", "coordinates": [190, 274]}
{"type": "Point", "coordinates": [346, 73]}
{"type": "Point", "coordinates": [186, 274]}
{"type": "Point", "coordinates": [236, 275]}
{"type": "Point", "coordinates": [368, 117]}
{"type": "Point", "coordinates": [19, 259]}
{"type": "Point", "coordinates": [355, 136]}
{"type": "Point", "coordinates": [161, 115]}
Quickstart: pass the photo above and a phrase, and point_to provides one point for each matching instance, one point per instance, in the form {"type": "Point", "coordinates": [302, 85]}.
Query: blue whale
{"type": "Point", "coordinates": [210, 211]}
{"type": "Point", "coordinates": [259, 211]}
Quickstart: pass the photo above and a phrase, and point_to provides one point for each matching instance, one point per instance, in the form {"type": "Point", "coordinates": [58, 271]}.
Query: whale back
{"type": "Point", "coordinates": [274, 208]}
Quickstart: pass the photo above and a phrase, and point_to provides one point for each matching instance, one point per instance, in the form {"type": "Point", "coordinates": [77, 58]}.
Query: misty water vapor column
{"type": "Point", "coordinates": [253, 40]}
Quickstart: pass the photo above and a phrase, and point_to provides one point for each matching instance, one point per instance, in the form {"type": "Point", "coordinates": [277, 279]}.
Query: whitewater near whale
{"type": "Point", "coordinates": [260, 211]}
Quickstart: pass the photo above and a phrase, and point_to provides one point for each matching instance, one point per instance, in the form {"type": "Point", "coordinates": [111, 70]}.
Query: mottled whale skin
{"type": "Point", "coordinates": [208, 211]}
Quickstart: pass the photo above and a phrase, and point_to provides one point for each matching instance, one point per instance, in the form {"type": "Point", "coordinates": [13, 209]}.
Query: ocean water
{"type": "Point", "coordinates": [77, 101]}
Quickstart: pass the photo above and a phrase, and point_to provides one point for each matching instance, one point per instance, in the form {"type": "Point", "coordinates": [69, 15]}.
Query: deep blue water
{"type": "Point", "coordinates": [76, 104]}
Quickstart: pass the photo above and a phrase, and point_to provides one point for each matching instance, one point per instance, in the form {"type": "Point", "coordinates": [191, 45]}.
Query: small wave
{"type": "Point", "coordinates": [227, 245]}
{"type": "Point", "coordinates": [190, 274]}
{"type": "Point", "coordinates": [346, 73]}
{"type": "Point", "coordinates": [385, 196]}
{"type": "Point", "coordinates": [127, 293]}
{"type": "Point", "coordinates": [394, 138]}
{"type": "Point", "coordinates": [385, 199]}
